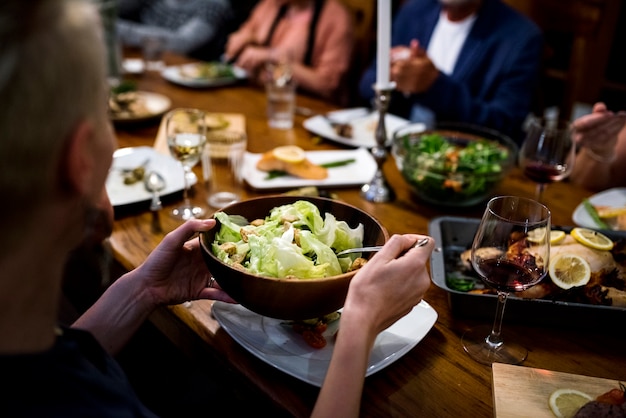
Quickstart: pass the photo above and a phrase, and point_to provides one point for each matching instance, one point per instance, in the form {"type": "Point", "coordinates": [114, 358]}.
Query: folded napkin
{"type": "Point", "coordinates": [215, 122]}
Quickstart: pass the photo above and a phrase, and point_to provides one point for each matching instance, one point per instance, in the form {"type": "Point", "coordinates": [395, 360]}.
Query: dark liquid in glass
{"type": "Point", "coordinates": [506, 276]}
{"type": "Point", "coordinates": [544, 173]}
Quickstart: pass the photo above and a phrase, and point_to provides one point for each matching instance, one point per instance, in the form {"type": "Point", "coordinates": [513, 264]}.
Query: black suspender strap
{"type": "Point", "coordinates": [317, 9]}
{"type": "Point", "coordinates": [281, 13]}
{"type": "Point", "coordinates": [319, 4]}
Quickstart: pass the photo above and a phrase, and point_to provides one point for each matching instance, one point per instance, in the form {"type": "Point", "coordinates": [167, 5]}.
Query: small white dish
{"type": "Point", "coordinates": [363, 123]}
{"type": "Point", "coordinates": [359, 172]}
{"type": "Point", "coordinates": [175, 75]}
{"type": "Point", "coordinates": [133, 65]}
{"type": "Point", "coordinates": [612, 197]}
{"type": "Point", "coordinates": [274, 342]}
{"type": "Point", "coordinates": [128, 158]}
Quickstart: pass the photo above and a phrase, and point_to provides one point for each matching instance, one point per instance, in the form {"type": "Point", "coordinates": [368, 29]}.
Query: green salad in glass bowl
{"type": "Point", "coordinates": [457, 166]}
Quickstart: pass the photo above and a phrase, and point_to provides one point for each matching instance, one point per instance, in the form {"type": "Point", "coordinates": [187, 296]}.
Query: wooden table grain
{"type": "Point", "coordinates": [436, 378]}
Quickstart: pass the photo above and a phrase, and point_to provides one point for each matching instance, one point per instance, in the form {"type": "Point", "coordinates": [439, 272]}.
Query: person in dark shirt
{"type": "Point", "coordinates": [56, 146]}
{"type": "Point", "coordinates": [194, 28]}
{"type": "Point", "coordinates": [462, 61]}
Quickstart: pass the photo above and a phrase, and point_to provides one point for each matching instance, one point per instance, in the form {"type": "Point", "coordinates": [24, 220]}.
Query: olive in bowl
{"type": "Point", "coordinates": [455, 165]}
{"type": "Point", "coordinates": [254, 279]}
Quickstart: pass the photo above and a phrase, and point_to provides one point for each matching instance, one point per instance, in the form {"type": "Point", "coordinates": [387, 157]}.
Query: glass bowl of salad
{"type": "Point", "coordinates": [454, 165]}
{"type": "Point", "coordinates": [276, 255]}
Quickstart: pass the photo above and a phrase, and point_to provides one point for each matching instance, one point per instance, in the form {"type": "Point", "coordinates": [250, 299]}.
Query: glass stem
{"type": "Point", "coordinates": [539, 191]}
{"type": "Point", "coordinates": [495, 338]}
{"type": "Point", "coordinates": [187, 170]}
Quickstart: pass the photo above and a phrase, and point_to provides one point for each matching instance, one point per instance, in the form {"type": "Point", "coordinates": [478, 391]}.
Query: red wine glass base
{"type": "Point", "coordinates": [476, 345]}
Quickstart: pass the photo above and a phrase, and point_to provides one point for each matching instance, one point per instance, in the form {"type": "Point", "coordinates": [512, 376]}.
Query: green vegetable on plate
{"type": "Point", "coordinates": [594, 214]}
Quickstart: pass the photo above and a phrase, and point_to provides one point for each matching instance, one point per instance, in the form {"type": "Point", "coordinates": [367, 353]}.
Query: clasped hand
{"type": "Point", "coordinates": [411, 69]}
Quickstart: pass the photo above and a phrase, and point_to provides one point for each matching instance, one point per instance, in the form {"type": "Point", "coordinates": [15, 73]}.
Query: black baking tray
{"type": "Point", "coordinates": [453, 235]}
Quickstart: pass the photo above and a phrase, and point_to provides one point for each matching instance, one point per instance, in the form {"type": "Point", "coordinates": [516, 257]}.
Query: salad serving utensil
{"type": "Point", "coordinates": [419, 243]}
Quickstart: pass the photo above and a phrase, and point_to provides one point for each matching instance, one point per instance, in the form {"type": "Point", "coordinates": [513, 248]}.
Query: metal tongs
{"type": "Point", "coordinates": [419, 243]}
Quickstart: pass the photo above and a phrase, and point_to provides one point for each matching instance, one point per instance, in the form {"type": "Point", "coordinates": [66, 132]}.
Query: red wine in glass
{"type": "Point", "coordinates": [543, 173]}
{"type": "Point", "coordinates": [507, 276]}
{"type": "Point", "coordinates": [548, 152]}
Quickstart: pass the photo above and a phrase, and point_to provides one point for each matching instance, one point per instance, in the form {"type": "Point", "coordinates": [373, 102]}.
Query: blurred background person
{"type": "Point", "coordinates": [468, 61]}
{"type": "Point", "coordinates": [194, 28]}
{"type": "Point", "coordinates": [316, 35]}
{"type": "Point", "coordinates": [601, 136]}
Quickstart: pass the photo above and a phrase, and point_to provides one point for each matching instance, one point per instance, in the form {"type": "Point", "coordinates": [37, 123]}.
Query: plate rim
{"type": "Point", "coordinates": [309, 125]}
{"type": "Point", "coordinates": [171, 73]}
{"type": "Point", "coordinates": [428, 317]}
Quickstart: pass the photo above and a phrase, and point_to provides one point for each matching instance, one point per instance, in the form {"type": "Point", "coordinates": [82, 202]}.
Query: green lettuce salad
{"type": "Point", "coordinates": [292, 241]}
{"type": "Point", "coordinates": [445, 170]}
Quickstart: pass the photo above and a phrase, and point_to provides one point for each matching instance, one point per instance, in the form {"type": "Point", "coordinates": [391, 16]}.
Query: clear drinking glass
{"type": "Point", "coordinates": [507, 261]}
{"type": "Point", "coordinates": [185, 130]}
{"type": "Point", "coordinates": [548, 152]}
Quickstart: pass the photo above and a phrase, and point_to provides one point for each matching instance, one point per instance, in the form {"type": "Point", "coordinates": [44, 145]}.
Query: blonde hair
{"type": "Point", "coordinates": [52, 75]}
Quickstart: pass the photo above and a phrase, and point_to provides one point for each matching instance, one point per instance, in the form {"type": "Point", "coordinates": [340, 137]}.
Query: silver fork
{"type": "Point", "coordinates": [419, 243]}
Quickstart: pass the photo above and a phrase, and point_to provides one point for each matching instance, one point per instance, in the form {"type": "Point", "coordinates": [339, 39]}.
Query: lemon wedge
{"type": "Point", "coordinates": [537, 236]}
{"type": "Point", "coordinates": [557, 237]}
{"type": "Point", "coordinates": [289, 153]}
{"type": "Point", "coordinates": [592, 239]}
{"type": "Point", "coordinates": [564, 403]}
{"type": "Point", "coordinates": [569, 270]}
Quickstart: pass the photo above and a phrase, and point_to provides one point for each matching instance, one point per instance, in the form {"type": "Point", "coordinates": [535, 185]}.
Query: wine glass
{"type": "Point", "coordinates": [548, 152]}
{"type": "Point", "coordinates": [185, 131]}
{"type": "Point", "coordinates": [507, 261]}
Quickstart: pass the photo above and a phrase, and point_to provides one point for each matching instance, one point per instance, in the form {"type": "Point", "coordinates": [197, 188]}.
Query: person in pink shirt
{"type": "Point", "coordinates": [316, 35]}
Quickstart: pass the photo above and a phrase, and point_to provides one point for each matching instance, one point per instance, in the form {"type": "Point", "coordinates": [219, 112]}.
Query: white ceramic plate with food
{"type": "Point", "coordinates": [273, 340]}
{"type": "Point", "coordinates": [611, 197]}
{"type": "Point", "coordinates": [363, 124]}
{"type": "Point", "coordinates": [129, 158]}
{"type": "Point", "coordinates": [145, 105]}
{"type": "Point", "coordinates": [359, 172]}
{"type": "Point", "coordinates": [191, 75]}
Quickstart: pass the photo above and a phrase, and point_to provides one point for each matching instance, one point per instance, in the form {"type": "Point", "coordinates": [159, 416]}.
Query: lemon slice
{"type": "Point", "coordinates": [557, 237]}
{"type": "Point", "coordinates": [537, 235]}
{"type": "Point", "coordinates": [289, 153]}
{"type": "Point", "coordinates": [564, 403]}
{"type": "Point", "coordinates": [592, 239]}
{"type": "Point", "coordinates": [569, 270]}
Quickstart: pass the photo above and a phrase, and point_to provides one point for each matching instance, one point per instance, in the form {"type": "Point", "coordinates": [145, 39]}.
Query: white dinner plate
{"type": "Point", "coordinates": [611, 197]}
{"type": "Point", "coordinates": [173, 74]}
{"type": "Point", "coordinates": [359, 172]}
{"type": "Point", "coordinates": [155, 104]}
{"type": "Point", "coordinates": [273, 341]}
{"type": "Point", "coordinates": [128, 158]}
{"type": "Point", "coordinates": [363, 123]}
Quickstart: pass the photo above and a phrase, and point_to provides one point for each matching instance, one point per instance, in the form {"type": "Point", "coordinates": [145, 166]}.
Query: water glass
{"type": "Point", "coordinates": [222, 164]}
{"type": "Point", "coordinates": [281, 102]}
{"type": "Point", "coordinates": [153, 47]}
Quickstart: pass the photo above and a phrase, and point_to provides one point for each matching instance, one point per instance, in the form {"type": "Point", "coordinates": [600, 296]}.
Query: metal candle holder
{"type": "Point", "coordinates": [378, 189]}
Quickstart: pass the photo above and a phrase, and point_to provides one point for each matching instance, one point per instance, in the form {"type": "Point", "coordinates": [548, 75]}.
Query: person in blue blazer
{"type": "Point", "coordinates": [467, 61]}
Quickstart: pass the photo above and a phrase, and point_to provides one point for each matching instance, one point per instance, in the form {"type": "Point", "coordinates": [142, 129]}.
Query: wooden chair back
{"type": "Point", "coordinates": [579, 35]}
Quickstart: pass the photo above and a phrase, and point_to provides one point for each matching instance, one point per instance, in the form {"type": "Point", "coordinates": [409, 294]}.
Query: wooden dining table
{"type": "Point", "coordinates": [436, 377]}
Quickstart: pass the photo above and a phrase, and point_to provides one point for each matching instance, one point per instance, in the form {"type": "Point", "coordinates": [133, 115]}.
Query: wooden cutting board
{"type": "Point", "coordinates": [524, 392]}
{"type": "Point", "coordinates": [215, 122]}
